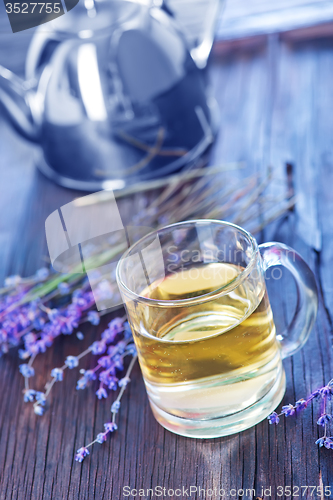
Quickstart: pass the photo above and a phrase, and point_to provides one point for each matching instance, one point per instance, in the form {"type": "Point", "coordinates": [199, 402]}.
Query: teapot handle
{"type": "Point", "coordinates": [13, 97]}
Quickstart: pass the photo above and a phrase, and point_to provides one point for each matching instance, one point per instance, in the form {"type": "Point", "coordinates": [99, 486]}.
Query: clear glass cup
{"type": "Point", "coordinates": [198, 307]}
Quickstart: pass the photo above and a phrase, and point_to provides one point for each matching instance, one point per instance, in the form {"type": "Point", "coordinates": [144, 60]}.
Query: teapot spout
{"type": "Point", "coordinates": [14, 99]}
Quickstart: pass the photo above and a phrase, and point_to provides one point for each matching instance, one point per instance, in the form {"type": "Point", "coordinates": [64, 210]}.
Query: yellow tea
{"type": "Point", "coordinates": [211, 358]}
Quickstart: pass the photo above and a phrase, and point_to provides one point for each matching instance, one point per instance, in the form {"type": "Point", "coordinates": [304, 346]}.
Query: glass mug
{"type": "Point", "coordinates": [198, 307]}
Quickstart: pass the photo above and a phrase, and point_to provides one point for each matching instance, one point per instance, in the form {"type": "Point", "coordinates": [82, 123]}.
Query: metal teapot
{"type": "Point", "coordinates": [112, 95]}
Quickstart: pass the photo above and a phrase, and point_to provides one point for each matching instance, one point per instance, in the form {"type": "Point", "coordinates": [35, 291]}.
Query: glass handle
{"type": "Point", "coordinates": [297, 332]}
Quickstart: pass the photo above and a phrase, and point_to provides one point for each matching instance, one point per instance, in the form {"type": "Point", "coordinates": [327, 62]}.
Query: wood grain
{"type": "Point", "coordinates": [276, 104]}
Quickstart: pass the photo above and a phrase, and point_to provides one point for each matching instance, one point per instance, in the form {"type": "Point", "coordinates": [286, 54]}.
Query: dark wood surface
{"type": "Point", "coordinates": [276, 102]}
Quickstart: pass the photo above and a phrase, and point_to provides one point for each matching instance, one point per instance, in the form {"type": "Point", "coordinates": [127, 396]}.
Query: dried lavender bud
{"type": "Point", "coordinates": [113, 384]}
{"type": "Point", "coordinates": [26, 370]}
{"type": "Point", "coordinates": [105, 361]}
{"type": "Point", "coordinates": [127, 330]}
{"type": "Point", "coordinates": [38, 410]}
{"type": "Point", "coordinates": [93, 317]}
{"type": "Point", "coordinates": [131, 349]}
{"type": "Point", "coordinates": [57, 373]}
{"type": "Point", "coordinates": [301, 404]}
{"type": "Point", "coordinates": [98, 347]}
{"type": "Point", "coordinates": [42, 274]}
{"type": "Point", "coordinates": [101, 437]}
{"type": "Point", "coordinates": [117, 325]}
{"type": "Point", "coordinates": [110, 426]}
{"type": "Point", "coordinates": [324, 419]}
{"type": "Point", "coordinates": [71, 362]}
{"type": "Point", "coordinates": [273, 418]}
{"type": "Point", "coordinates": [81, 383]}
{"type": "Point", "coordinates": [107, 376]}
{"type": "Point", "coordinates": [288, 410]}
{"type": "Point", "coordinates": [81, 454]}
{"type": "Point", "coordinates": [101, 393]}
{"type": "Point", "coordinates": [40, 398]}
{"type": "Point", "coordinates": [64, 288]}
{"type": "Point", "coordinates": [29, 395]}
{"type": "Point", "coordinates": [12, 280]}
{"type": "Point", "coordinates": [328, 443]}
{"type": "Point", "coordinates": [325, 392]}
{"type": "Point", "coordinates": [53, 314]}
{"type": "Point", "coordinates": [124, 381]}
{"type": "Point", "coordinates": [89, 375]}
{"type": "Point", "coordinates": [115, 407]}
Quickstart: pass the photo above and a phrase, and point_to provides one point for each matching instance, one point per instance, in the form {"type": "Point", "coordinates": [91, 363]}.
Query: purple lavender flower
{"type": "Point", "coordinates": [93, 317]}
{"type": "Point", "coordinates": [101, 437]}
{"type": "Point", "coordinates": [29, 395]}
{"type": "Point", "coordinates": [288, 410]}
{"type": "Point", "coordinates": [115, 407]}
{"type": "Point", "coordinates": [101, 393]}
{"type": "Point", "coordinates": [81, 454]}
{"type": "Point", "coordinates": [110, 426]}
{"type": "Point", "coordinates": [80, 335]}
{"type": "Point", "coordinates": [71, 362]}
{"type": "Point", "coordinates": [301, 404]}
{"type": "Point", "coordinates": [273, 418]}
{"type": "Point", "coordinates": [26, 370]}
{"type": "Point", "coordinates": [38, 410]}
{"type": "Point", "coordinates": [320, 441]}
{"type": "Point", "coordinates": [98, 347]}
{"type": "Point", "coordinates": [57, 373]}
{"type": "Point", "coordinates": [324, 419]}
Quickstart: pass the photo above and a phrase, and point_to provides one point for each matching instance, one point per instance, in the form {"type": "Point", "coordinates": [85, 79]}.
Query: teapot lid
{"type": "Point", "coordinates": [92, 17]}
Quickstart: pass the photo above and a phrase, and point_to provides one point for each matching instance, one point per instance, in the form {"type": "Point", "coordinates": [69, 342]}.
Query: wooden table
{"type": "Point", "coordinates": [276, 102]}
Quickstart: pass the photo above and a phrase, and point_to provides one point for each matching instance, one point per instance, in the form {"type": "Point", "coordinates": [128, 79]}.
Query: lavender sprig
{"type": "Point", "coordinates": [109, 427]}
{"type": "Point", "coordinates": [324, 394]}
